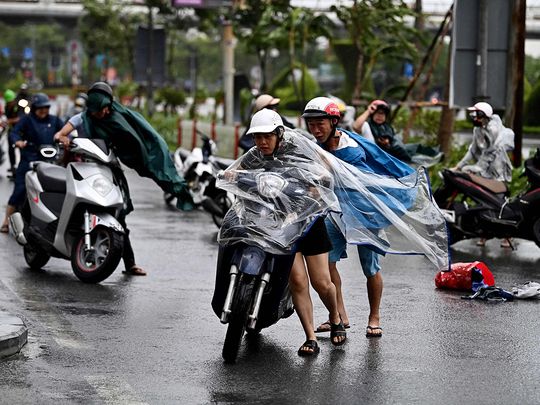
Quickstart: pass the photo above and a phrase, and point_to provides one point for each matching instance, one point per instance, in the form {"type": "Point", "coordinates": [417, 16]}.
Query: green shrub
{"type": "Point", "coordinates": [282, 87]}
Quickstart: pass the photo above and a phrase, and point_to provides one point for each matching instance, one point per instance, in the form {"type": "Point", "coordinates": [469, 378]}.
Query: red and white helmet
{"type": "Point", "coordinates": [321, 107]}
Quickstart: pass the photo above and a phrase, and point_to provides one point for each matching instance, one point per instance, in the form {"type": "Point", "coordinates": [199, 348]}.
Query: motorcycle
{"type": "Point", "coordinates": [72, 212]}
{"type": "Point", "coordinates": [199, 168]}
{"type": "Point", "coordinates": [252, 287]}
{"type": "Point", "coordinates": [477, 207]}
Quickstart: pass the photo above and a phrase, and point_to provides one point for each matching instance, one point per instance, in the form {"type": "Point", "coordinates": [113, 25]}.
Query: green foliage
{"type": "Point", "coordinates": [166, 126]}
{"type": "Point", "coordinates": [282, 87]}
{"type": "Point", "coordinates": [106, 29]}
{"type": "Point", "coordinates": [45, 39]}
{"type": "Point", "coordinates": [171, 97]}
{"type": "Point", "coordinates": [377, 29]}
{"type": "Point", "coordinates": [532, 69]}
{"type": "Point", "coordinates": [126, 89]}
{"type": "Point", "coordinates": [425, 125]}
{"type": "Point", "coordinates": [532, 106]}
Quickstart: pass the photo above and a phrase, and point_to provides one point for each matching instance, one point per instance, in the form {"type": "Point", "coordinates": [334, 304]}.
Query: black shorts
{"type": "Point", "coordinates": [315, 241]}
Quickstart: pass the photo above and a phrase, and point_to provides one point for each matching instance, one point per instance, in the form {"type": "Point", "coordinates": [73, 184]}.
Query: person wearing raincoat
{"type": "Point", "coordinates": [378, 203]}
{"type": "Point", "coordinates": [390, 210]}
{"type": "Point", "coordinates": [487, 155]}
{"type": "Point", "coordinates": [296, 223]}
{"type": "Point", "coordinates": [135, 143]}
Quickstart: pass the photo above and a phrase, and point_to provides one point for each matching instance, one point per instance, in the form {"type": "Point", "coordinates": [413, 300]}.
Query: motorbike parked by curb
{"type": "Point", "coordinates": [477, 207]}
{"type": "Point", "coordinates": [72, 212]}
{"type": "Point", "coordinates": [199, 168]}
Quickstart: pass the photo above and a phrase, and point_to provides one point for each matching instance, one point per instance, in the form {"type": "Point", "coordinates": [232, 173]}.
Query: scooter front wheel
{"type": "Point", "coordinates": [238, 319]}
{"type": "Point", "coordinates": [35, 257]}
{"type": "Point", "coordinates": [100, 261]}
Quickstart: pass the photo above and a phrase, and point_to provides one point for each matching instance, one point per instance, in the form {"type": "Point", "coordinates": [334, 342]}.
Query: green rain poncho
{"type": "Point", "coordinates": [137, 144]}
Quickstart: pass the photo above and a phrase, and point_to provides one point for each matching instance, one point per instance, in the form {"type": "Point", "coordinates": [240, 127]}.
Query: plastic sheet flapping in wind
{"type": "Point", "coordinates": [278, 198]}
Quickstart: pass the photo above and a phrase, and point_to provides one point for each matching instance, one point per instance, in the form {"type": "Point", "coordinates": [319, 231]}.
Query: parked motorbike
{"type": "Point", "coordinates": [476, 207]}
{"type": "Point", "coordinates": [72, 212]}
{"type": "Point", "coordinates": [199, 168]}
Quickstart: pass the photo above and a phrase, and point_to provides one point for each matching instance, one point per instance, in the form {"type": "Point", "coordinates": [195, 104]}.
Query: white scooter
{"type": "Point", "coordinates": [199, 168]}
{"type": "Point", "coordinates": [72, 212]}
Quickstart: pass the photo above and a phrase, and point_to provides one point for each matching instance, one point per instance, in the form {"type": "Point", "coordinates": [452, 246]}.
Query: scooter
{"type": "Point", "coordinates": [72, 212]}
{"type": "Point", "coordinates": [477, 207]}
{"type": "Point", "coordinates": [199, 168]}
{"type": "Point", "coordinates": [252, 290]}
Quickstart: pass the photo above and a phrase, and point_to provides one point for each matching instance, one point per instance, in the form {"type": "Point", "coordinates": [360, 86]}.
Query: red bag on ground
{"type": "Point", "coordinates": [465, 276]}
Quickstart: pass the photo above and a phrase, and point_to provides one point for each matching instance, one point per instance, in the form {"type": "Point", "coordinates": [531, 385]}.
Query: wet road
{"type": "Point", "coordinates": [155, 339]}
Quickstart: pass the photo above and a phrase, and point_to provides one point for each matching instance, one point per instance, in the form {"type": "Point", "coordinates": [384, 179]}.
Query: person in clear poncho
{"type": "Point", "coordinates": [387, 213]}
{"type": "Point", "coordinates": [386, 207]}
{"type": "Point", "coordinates": [283, 194]}
{"type": "Point", "coordinates": [487, 155]}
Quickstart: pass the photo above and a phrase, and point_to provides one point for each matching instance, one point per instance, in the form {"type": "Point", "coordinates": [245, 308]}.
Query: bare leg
{"type": "Point", "coordinates": [374, 290]}
{"type": "Point", "coordinates": [336, 280]}
{"type": "Point", "coordinates": [319, 275]}
{"type": "Point", "coordinates": [299, 285]}
{"type": "Point", "coordinates": [10, 210]}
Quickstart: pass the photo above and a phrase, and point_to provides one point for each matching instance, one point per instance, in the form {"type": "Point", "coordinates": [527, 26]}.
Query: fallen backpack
{"type": "Point", "coordinates": [465, 276]}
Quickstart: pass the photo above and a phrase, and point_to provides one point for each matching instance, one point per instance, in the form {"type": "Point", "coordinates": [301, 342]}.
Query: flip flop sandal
{"type": "Point", "coordinates": [370, 331]}
{"type": "Point", "coordinates": [4, 229]}
{"type": "Point", "coordinates": [326, 327]}
{"type": "Point", "coordinates": [337, 330]}
{"type": "Point", "coordinates": [135, 271]}
{"type": "Point", "coordinates": [309, 344]}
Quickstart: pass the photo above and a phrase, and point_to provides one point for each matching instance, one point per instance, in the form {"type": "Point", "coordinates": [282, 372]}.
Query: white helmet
{"type": "Point", "coordinates": [265, 100]}
{"type": "Point", "coordinates": [265, 121]}
{"type": "Point", "coordinates": [483, 107]}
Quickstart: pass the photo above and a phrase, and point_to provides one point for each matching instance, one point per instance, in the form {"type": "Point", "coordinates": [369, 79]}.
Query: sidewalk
{"type": "Point", "coordinates": [13, 334]}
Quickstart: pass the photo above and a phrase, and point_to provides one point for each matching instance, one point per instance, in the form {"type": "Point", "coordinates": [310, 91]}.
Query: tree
{"type": "Point", "coordinates": [376, 28]}
{"type": "Point", "coordinates": [255, 24]}
{"type": "Point", "coordinates": [301, 27]}
{"type": "Point", "coordinates": [106, 30]}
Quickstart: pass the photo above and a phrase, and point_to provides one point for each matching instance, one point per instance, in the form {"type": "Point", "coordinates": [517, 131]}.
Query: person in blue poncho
{"type": "Point", "coordinates": [136, 144]}
{"type": "Point", "coordinates": [322, 116]}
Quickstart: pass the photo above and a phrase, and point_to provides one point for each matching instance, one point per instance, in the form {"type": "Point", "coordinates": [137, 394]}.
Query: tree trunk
{"type": "Point", "coordinates": [357, 92]}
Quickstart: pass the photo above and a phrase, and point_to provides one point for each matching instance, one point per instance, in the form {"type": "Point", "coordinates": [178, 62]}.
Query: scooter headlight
{"type": "Point", "coordinates": [102, 185]}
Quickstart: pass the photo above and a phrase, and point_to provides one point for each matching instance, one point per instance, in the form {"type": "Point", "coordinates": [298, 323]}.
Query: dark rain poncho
{"type": "Point", "coordinates": [139, 147]}
{"type": "Point", "coordinates": [388, 214]}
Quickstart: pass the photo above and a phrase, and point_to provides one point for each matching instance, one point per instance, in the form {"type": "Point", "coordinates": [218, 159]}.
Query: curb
{"type": "Point", "coordinates": [13, 334]}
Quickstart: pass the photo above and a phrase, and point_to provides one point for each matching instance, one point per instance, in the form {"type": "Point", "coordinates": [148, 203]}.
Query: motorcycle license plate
{"type": "Point", "coordinates": [449, 216]}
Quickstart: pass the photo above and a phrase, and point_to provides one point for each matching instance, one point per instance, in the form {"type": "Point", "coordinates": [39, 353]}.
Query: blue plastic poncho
{"type": "Point", "coordinates": [389, 214]}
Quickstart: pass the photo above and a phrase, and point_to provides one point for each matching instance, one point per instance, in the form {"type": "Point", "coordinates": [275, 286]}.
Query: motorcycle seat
{"type": "Point", "coordinates": [52, 177]}
{"type": "Point", "coordinates": [497, 187]}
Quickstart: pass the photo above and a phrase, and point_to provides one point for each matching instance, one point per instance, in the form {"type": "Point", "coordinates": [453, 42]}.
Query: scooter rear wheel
{"type": "Point", "coordinates": [35, 257]}
{"type": "Point", "coordinates": [241, 306]}
{"type": "Point", "coordinates": [99, 263]}
{"type": "Point", "coordinates": [224, 202]}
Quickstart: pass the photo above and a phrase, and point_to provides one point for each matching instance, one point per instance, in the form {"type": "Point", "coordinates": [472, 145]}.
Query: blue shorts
{"type": "Point", "coordinates": [368, 258]}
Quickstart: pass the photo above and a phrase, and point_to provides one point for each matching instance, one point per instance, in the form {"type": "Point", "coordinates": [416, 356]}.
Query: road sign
{"type": "Point", "coordinates": [469, 56]}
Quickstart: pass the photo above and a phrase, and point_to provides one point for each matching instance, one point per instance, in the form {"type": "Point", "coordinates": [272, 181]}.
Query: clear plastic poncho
{"type": "Point", "coordinates": [278, 198]}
